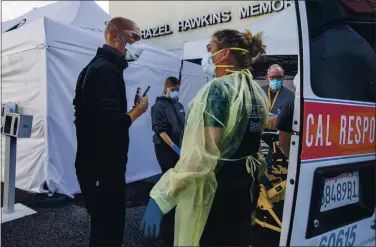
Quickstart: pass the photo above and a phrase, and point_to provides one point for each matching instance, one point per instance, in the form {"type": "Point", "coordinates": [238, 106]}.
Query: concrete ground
{"type": "Point", "coordinates": [67, 224]}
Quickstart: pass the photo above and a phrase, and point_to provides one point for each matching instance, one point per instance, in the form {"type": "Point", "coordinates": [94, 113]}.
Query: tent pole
{"type": "Point", "coordinates": [10, 173]}
{"type": "Point", "coordinates": [180, 70]}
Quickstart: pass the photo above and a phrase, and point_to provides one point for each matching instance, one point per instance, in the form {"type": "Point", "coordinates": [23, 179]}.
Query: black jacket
{"type": "Point", "coordinates": [100, 113]}
{"type": "Point", "coordinates": [167, 116]}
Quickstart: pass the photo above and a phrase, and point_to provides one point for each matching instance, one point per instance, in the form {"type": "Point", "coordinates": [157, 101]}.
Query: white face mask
{"type": "Point", "coordinates": [207, 64]}
{"type": "Point", "coordinates": [133, 52]}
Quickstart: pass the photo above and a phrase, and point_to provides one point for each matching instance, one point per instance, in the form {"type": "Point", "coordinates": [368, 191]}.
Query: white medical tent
{"type": "Point", "coordinates": [280, 35]}
{"type": "Point", "coordinates": [41, 61]}
{"type": "Point", "coordinates": [85, 14]}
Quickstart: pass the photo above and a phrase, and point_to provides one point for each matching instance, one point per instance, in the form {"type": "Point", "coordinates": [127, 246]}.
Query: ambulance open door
{"type": "Point", "coordinates": [330, 197]}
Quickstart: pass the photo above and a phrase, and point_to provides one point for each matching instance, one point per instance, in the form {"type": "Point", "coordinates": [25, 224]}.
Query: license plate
{"type": "Point", "coordinates": [340, 191]}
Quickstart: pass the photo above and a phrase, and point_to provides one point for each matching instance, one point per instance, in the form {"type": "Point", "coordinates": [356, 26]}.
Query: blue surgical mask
{"type": "Point", "coordinates": [275, 84]}
{"type": "Point", "coordinates": [174, 95]}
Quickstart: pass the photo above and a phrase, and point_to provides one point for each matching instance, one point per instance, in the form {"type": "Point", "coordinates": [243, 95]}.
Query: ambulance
{"type": "Point", "coordinates": [326, 189]}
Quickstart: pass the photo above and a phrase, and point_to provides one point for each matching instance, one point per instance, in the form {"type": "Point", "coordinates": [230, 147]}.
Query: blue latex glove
{"type": "Point", "coordinates": [176, 149]}
{"type": "Point", "coordinates": [151, 222]}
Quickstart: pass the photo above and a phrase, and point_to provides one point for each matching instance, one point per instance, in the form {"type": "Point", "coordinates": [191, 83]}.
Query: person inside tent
{"type": "Point", "coordinates": [214, 186]}
{"type": "Point", "coordinates": [168, 119]}
{"type": "Point", "coordinates": [102, 130]}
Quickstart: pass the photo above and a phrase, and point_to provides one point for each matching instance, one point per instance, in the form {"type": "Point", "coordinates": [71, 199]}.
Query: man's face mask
{"type": "Point", "coordinates": [132, 52]}
{"type": "Point", "coordinates": [209, 66]}
{"type": "Point", "coordinates": [275, 82]}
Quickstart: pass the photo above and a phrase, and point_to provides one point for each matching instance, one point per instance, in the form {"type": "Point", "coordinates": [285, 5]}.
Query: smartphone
{"type": "Point", "coordinates": [146, 91]}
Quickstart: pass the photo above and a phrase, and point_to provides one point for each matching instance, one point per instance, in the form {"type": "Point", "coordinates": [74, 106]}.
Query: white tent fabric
{"type": "Point", "coordinates": [39, 73]}
{"type": "Point", "coordinates": [86, 14]}
{"type": "Point", "coordinates": [280, 32]}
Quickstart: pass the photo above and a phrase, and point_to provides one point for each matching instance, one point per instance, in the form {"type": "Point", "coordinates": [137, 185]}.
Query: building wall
{"type": "Point", "coordinates": [160, 17]}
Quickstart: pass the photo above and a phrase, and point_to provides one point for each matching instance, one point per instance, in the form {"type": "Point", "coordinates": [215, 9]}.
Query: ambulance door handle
{"type": "Point", "coordinates": [373, 225]}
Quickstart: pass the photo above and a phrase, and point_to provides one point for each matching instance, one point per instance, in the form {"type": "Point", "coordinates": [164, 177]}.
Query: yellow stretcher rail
{"type": "Point", "coordinates": [275, 194]}
{"type": "Point", "coordinates": [265, 202]}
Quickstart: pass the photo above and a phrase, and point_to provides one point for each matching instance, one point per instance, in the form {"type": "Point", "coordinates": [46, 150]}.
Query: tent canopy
{"type": "Point", "coordinates": [40, 71]}
{"type": "Point", "coordinates": [280, 35]}
{"type": "Point", "coordinates": [86, 14]}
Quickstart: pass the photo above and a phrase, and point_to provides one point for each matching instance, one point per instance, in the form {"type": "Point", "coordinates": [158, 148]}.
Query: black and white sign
{"type": "Point", "coordinates": [205, 20]}
{"type": "Point", "coordinates": [161, 30]}
{"type": "Point", "coordinates": [263, 8]}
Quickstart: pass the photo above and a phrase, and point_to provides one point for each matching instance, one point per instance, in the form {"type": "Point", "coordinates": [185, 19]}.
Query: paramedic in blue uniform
{"type": "Point", "coordinates": [278, 97]}
{"type": "Point", "coordinates": [102, 125]}
{"type": "Point", "coordinates": [168, 119]}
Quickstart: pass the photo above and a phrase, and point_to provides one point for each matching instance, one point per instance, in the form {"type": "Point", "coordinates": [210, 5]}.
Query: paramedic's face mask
{"type": "Point", "coordinates": [275, 78]}
{"type": "Point", "coordinates": [209, 66]}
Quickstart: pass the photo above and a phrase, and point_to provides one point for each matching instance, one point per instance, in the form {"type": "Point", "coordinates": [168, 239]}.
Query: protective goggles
{"type": "Point", "coordinates": [133, 34]}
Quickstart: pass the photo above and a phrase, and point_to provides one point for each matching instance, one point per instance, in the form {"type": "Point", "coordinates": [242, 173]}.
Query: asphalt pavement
{"type": "Point", "coordinates": [65, 223]}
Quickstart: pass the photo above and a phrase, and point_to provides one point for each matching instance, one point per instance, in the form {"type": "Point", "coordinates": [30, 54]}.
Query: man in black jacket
{"type": "Point", "coordinates": [102, 129]}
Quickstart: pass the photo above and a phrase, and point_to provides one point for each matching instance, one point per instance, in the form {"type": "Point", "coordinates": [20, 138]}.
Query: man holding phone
{"type": "Point", "coordinates": [102, 129]}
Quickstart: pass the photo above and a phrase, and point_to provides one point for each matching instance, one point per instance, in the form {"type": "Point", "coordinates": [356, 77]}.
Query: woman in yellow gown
{"type": "Point", "coordinates": [214, 186]}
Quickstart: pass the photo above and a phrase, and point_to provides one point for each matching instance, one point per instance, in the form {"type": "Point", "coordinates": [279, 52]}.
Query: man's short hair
{"type": "Point", "coordinates": [276, 66]}
{"type": "Point", "coordinates": [116, 24]}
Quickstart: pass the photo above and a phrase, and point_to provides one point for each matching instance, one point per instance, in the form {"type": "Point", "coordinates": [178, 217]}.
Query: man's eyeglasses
{"type": "Point", "coordinates": [135, 35]}
{"type": "Point", "coordinates": [276, 77]}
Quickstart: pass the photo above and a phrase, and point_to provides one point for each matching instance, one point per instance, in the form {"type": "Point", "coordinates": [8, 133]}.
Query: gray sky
{"type": "Point", "coordinates": [13, 9]}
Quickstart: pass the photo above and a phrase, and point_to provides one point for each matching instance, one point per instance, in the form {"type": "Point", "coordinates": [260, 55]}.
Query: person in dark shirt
{"type": "Point", "coordinates": [285, 119]}
{"type": "Point", "coordinates": [284, 125]}
{"type": "Point", "coordinates": [278, 95]}
{"type": "Point", "coordinates": [168, 119]}
{"type": "Point", "coordinates": [102, 129]}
